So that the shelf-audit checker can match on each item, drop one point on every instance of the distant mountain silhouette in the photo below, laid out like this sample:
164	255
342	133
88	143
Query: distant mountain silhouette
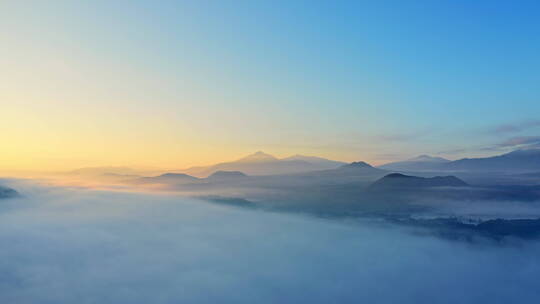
91	171
258	156
427	158
419	163
6	192
356	165
110	174
516	161
261	163
329	164
167	178
226	175
401	181
359	168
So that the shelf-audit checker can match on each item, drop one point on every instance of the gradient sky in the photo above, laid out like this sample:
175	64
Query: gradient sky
177	83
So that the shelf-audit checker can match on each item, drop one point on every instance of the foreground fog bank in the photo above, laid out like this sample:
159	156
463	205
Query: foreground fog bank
81	246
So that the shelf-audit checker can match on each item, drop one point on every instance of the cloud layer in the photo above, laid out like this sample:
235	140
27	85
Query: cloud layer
515	127
521	141
81	246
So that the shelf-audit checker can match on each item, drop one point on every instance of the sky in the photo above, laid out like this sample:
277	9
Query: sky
171	84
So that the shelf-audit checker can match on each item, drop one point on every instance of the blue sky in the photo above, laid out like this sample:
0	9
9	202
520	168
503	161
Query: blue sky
372	80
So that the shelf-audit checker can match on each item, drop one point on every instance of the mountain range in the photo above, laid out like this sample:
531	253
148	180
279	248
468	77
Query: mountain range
512	162
515	161
351	171
261	163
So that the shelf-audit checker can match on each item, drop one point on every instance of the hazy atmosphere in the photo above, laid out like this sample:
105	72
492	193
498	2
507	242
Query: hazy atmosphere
163	249
269	152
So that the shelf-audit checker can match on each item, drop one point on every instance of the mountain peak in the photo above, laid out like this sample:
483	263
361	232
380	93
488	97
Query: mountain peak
258	156
358	164
227	174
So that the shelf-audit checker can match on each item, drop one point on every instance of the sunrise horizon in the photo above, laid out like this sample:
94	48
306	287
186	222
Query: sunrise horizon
188	85
269	151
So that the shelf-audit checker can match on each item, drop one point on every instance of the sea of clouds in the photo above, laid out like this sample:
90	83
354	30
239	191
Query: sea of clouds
67	245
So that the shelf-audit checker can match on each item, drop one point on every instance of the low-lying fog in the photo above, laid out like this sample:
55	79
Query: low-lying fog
65	245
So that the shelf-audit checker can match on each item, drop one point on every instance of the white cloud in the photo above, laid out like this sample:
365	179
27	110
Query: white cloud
82	246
